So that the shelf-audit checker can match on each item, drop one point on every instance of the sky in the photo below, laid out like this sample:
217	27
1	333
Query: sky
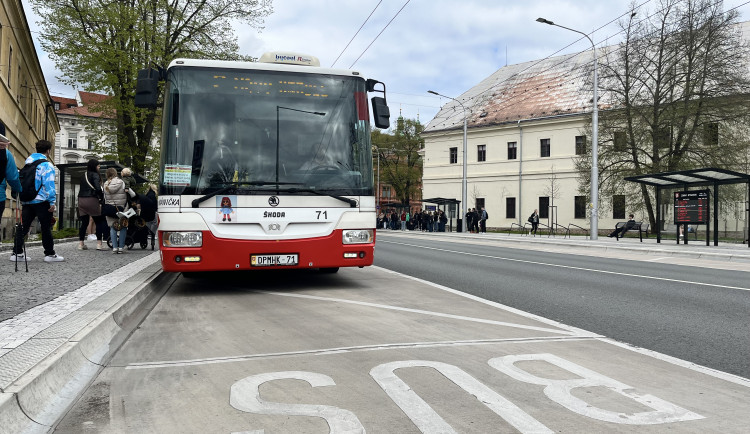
418	45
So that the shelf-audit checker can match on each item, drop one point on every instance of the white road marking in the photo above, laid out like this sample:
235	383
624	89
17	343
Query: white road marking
352	349
593	270
418	311
660	356
657	259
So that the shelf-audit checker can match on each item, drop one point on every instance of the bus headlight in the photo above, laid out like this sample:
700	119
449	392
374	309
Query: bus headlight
357	236
182	239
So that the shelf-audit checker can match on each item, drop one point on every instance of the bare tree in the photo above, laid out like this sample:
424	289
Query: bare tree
674	94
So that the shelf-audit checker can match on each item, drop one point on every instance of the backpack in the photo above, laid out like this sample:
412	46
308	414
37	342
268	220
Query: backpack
27	177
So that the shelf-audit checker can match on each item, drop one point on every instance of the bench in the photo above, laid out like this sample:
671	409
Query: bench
641	227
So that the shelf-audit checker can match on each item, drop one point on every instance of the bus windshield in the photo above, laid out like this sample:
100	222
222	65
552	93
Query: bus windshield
260	131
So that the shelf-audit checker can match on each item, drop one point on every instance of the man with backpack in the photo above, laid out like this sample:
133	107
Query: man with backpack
8	172
38	197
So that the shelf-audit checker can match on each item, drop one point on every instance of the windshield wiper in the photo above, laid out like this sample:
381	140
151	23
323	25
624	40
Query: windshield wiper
352	202
233	185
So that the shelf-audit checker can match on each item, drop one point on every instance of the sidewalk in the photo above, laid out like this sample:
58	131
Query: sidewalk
61	322
649	246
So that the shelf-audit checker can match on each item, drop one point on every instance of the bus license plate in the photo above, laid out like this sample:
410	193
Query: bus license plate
273	260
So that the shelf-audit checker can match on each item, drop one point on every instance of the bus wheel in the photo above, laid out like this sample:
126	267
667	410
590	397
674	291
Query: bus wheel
329	270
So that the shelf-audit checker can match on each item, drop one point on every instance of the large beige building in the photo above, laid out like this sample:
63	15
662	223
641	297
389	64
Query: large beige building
527	124
26	111
525	127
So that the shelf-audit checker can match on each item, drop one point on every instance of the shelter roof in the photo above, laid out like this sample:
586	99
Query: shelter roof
705	176
75	170
441	201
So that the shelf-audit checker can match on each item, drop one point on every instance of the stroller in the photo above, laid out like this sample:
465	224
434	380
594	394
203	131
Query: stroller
138	232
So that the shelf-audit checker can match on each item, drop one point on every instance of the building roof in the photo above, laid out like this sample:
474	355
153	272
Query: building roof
85	104
555	86
538	89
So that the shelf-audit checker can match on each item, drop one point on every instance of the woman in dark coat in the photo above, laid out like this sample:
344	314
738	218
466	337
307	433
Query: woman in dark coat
534	220
89	197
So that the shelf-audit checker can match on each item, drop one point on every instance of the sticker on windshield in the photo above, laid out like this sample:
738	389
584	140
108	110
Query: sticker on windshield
226	212
177	174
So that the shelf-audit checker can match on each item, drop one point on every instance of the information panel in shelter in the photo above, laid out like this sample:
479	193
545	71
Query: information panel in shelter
691	207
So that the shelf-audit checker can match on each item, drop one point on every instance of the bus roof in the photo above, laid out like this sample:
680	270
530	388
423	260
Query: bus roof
229	64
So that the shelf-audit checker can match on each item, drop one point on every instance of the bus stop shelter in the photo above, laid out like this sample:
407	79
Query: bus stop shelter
70	183
451	212
686	179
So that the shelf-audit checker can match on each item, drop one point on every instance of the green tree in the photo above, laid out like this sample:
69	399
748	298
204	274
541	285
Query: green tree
101	44
400	162
674	94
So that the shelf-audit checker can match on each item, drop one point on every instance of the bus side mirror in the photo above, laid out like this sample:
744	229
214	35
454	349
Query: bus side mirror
147	88
381	112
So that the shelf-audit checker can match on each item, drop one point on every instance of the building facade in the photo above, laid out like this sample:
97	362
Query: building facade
84	128
528	126
26	111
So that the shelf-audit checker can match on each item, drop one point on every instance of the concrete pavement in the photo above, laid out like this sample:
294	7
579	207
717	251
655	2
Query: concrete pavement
70	317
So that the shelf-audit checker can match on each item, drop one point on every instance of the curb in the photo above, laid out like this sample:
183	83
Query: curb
648	250
40	397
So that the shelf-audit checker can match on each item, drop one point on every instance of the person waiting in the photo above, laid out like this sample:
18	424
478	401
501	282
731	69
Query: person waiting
619	232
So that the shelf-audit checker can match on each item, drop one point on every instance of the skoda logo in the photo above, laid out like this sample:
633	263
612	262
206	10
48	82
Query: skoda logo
273	201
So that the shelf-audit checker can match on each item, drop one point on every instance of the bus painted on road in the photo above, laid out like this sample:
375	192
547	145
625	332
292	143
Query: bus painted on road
264	165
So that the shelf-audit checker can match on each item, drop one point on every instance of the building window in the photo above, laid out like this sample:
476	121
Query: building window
386	191
10	63
711	134
510	207
544	207
579	207
618	206
479	203
663	137
620	140
57	106
544	147
481	152
454	155
580	145
512	150
73	143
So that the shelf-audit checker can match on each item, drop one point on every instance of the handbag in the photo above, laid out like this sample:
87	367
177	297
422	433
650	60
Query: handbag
109	210
530	219
86	176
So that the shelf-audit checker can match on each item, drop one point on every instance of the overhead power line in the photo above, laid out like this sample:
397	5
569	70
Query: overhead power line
355	35
381	32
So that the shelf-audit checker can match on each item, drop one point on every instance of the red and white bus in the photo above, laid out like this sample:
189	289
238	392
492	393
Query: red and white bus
264	165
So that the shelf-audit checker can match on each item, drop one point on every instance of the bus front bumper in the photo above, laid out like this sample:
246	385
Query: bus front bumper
217	254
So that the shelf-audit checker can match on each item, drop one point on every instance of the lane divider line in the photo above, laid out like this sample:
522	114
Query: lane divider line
736	379
570	267
352	349
418	311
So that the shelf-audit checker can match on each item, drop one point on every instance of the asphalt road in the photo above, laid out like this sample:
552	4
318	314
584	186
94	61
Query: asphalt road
696	314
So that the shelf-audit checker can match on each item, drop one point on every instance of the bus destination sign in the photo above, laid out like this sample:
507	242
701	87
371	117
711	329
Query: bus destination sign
691	207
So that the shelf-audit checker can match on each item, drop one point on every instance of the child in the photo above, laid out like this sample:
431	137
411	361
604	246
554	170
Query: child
129	180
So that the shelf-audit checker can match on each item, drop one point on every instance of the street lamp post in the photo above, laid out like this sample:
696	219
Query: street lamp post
594	140
463	176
